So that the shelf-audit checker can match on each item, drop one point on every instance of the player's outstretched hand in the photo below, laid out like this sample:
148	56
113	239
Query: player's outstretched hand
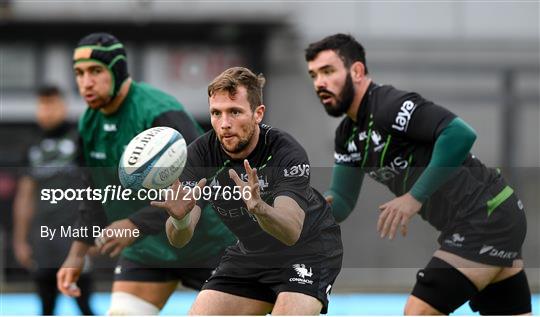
115	244
253	201
182	200
397	213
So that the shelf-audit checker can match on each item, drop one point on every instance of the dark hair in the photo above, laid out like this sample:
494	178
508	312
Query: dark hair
235	77
345	46
49	91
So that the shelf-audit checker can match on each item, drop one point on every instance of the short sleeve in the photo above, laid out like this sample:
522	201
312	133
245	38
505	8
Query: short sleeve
411	116
292	174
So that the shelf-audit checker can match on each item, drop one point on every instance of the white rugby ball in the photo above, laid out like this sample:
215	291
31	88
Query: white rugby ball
153	159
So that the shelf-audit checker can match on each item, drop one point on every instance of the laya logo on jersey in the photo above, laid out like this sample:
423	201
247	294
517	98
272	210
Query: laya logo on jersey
404	116
386	173
300	170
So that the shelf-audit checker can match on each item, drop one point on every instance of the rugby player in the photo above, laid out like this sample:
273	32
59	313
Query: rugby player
289	251
119	108
421	152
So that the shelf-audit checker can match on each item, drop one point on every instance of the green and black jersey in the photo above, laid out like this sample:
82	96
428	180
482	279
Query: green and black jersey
103	139
393	140
283	170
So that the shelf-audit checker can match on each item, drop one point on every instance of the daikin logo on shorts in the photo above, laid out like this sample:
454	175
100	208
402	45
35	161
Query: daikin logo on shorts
302	272
502	254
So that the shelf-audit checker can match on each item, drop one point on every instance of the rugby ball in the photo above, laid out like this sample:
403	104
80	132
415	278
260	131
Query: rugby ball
153	159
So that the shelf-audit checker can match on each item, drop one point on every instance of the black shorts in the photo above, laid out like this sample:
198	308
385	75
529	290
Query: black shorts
312	275
194	278
492	233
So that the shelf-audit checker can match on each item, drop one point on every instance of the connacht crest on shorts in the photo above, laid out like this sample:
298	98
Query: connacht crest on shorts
302	271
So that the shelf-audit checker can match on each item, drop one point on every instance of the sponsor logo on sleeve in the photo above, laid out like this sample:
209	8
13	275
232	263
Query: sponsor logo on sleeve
300	170
401	123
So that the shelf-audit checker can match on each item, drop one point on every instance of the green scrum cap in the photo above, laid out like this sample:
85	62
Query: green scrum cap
105	49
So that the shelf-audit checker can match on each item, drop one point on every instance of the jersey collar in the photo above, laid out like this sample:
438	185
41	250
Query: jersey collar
363	109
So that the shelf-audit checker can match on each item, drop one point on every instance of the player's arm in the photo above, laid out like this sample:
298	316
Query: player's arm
23	212
68	275
284	220
183	211
451	148
180	231
347	176
344	190
424	122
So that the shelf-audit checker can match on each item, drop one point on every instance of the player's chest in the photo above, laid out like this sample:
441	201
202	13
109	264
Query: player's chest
105	144
382	155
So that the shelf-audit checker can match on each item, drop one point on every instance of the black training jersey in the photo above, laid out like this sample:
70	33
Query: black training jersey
393	139
283	170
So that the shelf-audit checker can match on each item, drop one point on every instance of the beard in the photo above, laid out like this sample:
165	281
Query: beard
99	103
343	102
241	145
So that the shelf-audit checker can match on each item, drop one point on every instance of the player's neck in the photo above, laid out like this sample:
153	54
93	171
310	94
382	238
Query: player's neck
250	148
115	104
360	92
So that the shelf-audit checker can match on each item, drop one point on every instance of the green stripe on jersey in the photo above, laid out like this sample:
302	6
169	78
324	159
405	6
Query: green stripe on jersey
499	199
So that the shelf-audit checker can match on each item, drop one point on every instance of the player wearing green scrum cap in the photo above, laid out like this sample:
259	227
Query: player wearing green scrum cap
119	108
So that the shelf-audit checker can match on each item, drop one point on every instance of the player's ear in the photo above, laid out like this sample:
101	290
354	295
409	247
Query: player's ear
259	113
358	71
